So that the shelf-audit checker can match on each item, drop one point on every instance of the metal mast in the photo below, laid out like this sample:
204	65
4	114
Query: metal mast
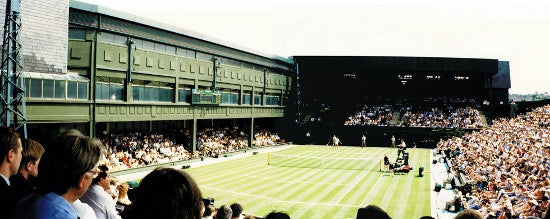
12	94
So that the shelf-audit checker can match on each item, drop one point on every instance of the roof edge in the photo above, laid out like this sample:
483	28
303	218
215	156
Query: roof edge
166	27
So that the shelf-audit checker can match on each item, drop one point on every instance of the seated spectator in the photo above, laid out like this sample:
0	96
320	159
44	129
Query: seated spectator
84	211
66	171
469	214
277	215
265	138
224	212
209	212
123	194
23	182
237	210
136	149
372	211
97	197
166	193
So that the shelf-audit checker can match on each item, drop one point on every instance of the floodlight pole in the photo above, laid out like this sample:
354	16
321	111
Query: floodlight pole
12	92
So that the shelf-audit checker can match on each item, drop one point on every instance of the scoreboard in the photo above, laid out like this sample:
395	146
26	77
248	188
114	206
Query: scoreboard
206	97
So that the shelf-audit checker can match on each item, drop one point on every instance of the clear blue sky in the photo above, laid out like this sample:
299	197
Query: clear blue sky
515	31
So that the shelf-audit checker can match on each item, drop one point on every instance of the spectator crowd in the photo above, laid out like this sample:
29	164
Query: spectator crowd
69	179
450	117
136	149
371	116
505	167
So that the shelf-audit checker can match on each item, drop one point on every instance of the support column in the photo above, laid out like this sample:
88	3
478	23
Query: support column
128	83
251	135
194	146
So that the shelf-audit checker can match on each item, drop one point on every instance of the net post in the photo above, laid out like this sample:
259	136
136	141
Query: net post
268	158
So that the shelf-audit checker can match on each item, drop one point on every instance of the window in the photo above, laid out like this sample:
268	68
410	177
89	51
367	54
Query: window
148	45
184	95
257	100
230	98
159	47
72	89
272	100
60	89
204	56
82	90
36	88
170	49
154	94
78	34
47	89
246	99
113	38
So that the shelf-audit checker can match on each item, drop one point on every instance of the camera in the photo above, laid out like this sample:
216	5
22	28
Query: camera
208	201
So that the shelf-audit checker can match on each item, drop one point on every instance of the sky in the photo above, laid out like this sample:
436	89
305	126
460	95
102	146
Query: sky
514	31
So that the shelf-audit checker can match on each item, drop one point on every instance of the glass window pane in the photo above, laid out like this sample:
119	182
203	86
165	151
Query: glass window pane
135	93
120	40
115	91
77	34
246	99
27	87
99	90
170	49
71	89
184	96
138	43
82	90
159	47
36	88
107	37
148	45
47	89
60	89
191	54
165	95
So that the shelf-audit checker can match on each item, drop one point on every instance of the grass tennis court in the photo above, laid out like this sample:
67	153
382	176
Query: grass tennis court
312	191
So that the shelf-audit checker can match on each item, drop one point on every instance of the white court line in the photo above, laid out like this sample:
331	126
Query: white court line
349	190
372	188
281	201
297	181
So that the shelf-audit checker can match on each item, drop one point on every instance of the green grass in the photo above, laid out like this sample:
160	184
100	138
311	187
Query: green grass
305	192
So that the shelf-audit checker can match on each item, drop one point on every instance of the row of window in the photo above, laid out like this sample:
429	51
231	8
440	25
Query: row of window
113	91
162	48
56	89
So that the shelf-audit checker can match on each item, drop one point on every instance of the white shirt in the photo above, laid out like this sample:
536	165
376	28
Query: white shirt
83	210
101	202
7	179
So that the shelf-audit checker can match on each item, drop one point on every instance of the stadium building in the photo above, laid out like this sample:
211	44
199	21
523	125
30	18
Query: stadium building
97	69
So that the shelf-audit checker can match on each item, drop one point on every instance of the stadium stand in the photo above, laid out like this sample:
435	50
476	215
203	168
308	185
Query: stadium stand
504	169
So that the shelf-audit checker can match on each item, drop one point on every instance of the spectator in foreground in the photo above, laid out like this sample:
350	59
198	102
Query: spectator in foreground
166	193
372	211
277	215
97	196
10	155
66	171
23	182
123	194
237	210
469	214
224	212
